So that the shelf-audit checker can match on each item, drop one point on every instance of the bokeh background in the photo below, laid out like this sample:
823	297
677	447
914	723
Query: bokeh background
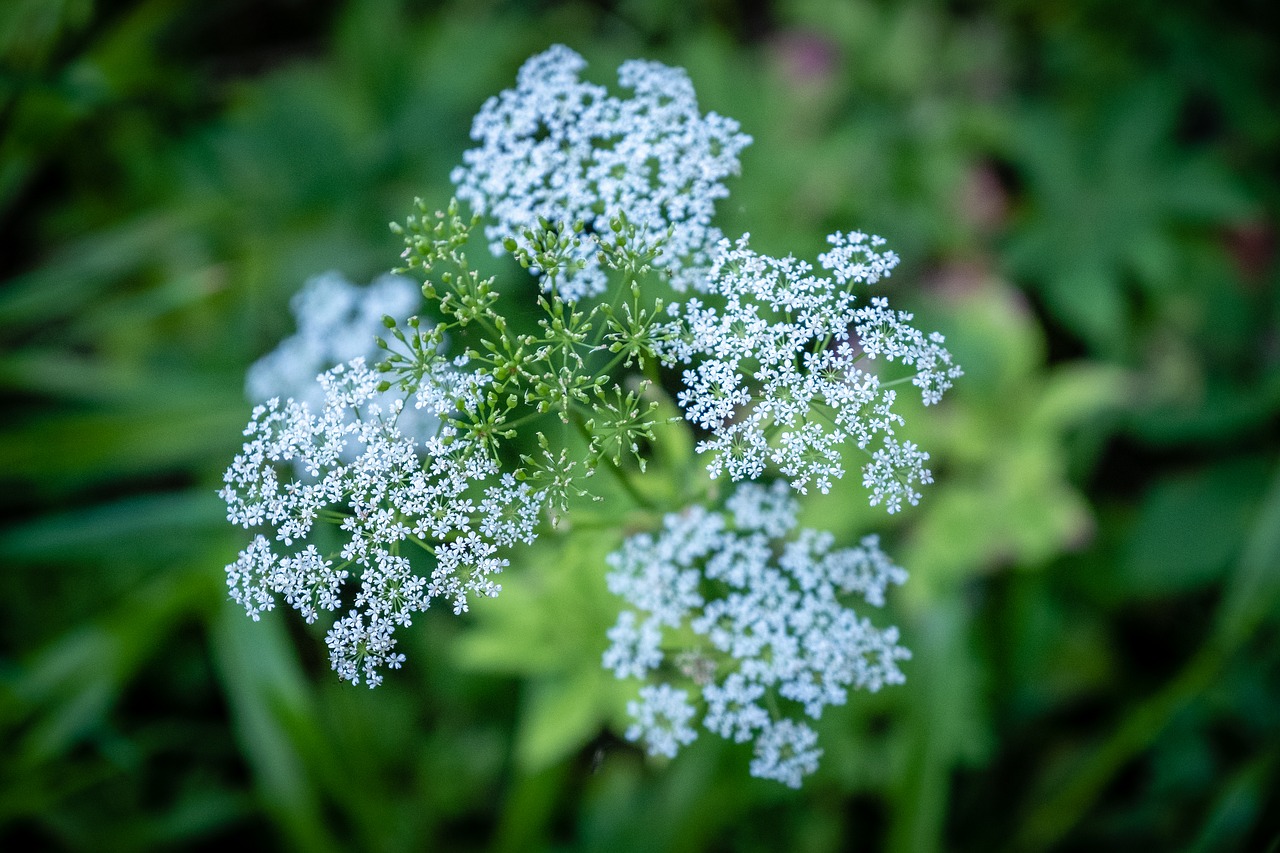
1085	194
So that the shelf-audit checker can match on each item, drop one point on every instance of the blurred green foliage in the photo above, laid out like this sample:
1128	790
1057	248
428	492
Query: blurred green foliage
1086	196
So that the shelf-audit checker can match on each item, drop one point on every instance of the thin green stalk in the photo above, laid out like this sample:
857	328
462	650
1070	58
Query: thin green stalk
619	474
1245	603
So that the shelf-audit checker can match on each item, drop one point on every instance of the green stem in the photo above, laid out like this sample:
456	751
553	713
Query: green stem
1248	598
616	360
1055	816
332	516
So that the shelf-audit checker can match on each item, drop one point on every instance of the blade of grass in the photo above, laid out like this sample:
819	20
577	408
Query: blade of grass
1249	597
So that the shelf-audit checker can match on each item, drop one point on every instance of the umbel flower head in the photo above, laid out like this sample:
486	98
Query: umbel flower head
561	149
349	464
777	636
379	477
775	374
337	321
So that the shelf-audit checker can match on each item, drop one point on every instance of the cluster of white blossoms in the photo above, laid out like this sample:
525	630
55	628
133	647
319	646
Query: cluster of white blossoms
405	472
347	462
559	148
776	636
337	321
775	376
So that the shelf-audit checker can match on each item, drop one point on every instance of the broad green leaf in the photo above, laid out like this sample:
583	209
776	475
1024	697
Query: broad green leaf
1189	528
276	723
560	714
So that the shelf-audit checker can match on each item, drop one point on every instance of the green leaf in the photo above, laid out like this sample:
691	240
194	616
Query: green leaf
146	523
71	686
549	625
1189	528
273	711
560	714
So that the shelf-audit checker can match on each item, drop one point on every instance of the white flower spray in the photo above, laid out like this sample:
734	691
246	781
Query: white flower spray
774	619
407	472
564	150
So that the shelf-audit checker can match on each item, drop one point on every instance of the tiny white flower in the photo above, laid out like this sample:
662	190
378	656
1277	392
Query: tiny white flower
662	717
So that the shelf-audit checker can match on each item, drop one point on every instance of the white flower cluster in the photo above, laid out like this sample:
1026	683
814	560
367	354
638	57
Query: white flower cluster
401	476
775	376
567	150
337	321
770	611
385	490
